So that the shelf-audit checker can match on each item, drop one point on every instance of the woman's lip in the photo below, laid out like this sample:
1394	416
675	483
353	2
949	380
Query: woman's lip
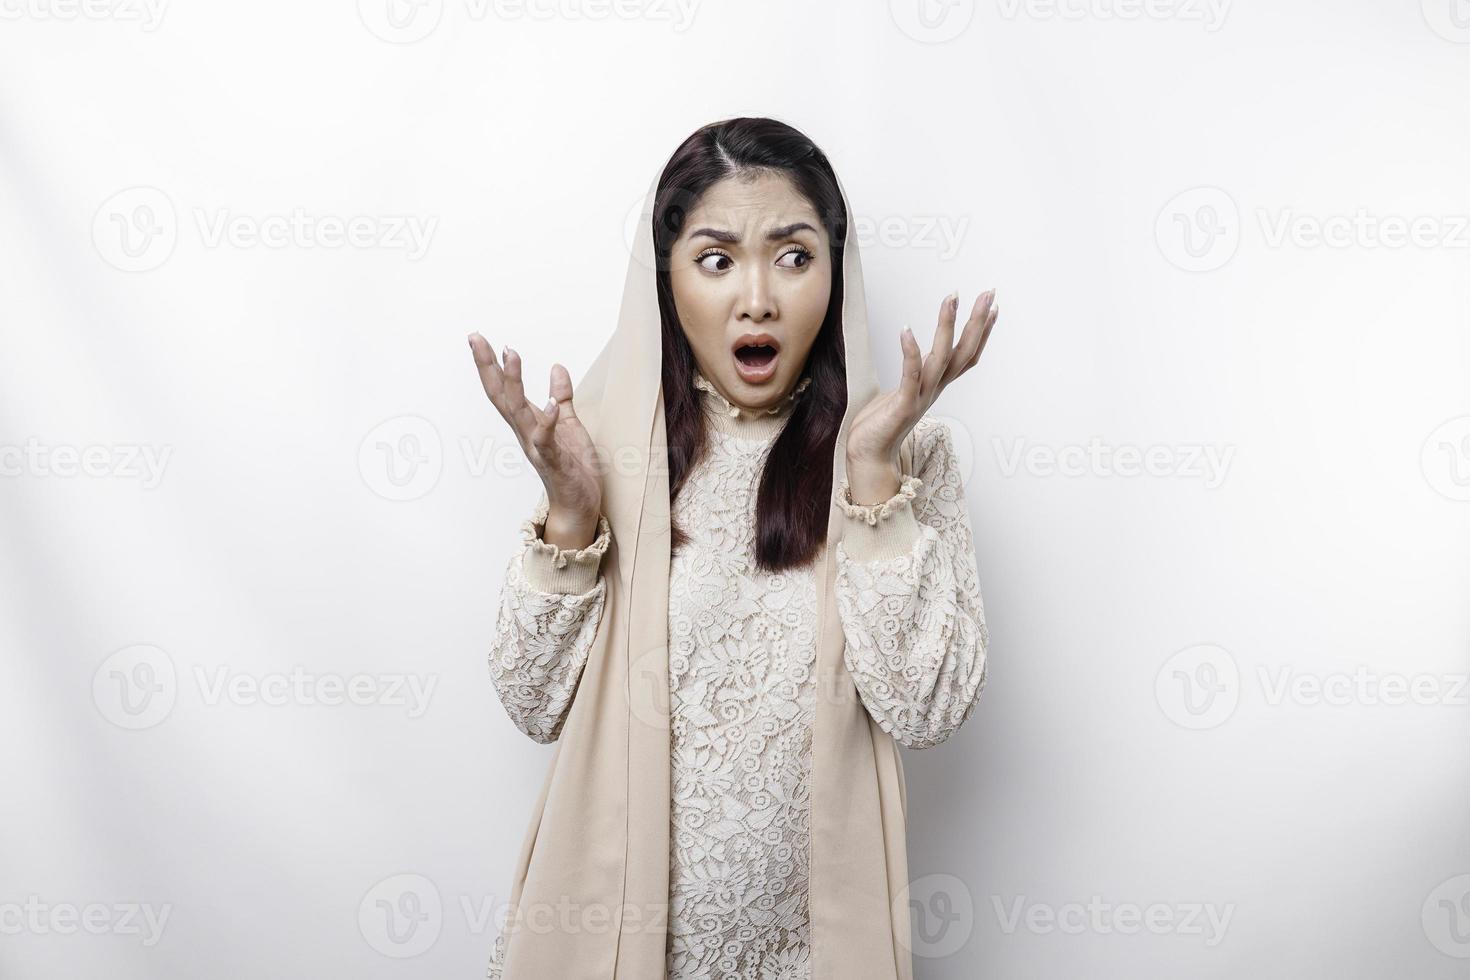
757	340
754	375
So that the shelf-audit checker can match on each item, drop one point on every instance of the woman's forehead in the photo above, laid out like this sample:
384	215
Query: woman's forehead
751	208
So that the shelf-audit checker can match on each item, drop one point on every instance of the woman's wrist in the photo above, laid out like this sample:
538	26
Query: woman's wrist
569	530
560	557
872	481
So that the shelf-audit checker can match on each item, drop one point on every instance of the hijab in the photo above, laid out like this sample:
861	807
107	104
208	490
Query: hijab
590	895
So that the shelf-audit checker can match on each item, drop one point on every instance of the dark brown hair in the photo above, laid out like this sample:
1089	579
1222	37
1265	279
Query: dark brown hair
796	482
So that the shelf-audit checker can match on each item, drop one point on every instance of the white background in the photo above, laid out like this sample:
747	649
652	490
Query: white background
326	496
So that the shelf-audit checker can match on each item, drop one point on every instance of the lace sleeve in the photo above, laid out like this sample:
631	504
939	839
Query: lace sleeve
550	606
908	592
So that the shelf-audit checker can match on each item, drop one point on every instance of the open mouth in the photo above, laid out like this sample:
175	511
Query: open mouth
755	356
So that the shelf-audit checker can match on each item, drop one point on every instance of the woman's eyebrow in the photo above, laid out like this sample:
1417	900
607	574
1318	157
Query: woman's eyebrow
720	235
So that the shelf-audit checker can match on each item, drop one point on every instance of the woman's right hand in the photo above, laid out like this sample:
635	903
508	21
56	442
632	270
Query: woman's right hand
554	442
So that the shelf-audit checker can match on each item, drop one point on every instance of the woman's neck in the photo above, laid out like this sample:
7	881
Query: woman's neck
746	423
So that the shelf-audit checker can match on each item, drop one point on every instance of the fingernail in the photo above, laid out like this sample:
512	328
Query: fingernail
506	351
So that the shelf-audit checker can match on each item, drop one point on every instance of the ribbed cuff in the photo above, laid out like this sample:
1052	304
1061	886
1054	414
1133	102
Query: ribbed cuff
884	530
550	568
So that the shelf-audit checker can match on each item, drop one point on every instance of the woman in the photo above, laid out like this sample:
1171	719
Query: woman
724	692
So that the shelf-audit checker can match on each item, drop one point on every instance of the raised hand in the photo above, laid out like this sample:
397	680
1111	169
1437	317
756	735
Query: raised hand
878	430
553	440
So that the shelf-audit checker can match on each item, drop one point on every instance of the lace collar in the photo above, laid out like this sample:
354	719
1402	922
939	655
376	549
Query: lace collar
725	408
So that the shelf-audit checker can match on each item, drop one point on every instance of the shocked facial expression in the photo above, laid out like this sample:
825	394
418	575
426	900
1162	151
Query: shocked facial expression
751	275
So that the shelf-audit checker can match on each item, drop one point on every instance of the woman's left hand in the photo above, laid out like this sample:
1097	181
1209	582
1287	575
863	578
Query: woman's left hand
878	430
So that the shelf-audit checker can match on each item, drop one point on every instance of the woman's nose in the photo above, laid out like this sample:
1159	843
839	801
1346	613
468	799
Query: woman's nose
757	303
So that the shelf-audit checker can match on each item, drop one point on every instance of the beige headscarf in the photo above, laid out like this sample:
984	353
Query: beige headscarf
590	897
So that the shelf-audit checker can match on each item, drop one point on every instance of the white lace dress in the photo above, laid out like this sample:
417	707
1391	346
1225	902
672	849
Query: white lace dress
742	650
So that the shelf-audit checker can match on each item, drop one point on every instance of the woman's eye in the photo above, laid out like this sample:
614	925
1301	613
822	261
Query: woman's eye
704	261
801	253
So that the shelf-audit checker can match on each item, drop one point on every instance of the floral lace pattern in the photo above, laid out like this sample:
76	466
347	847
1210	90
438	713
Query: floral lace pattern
915	623
542	640
742	655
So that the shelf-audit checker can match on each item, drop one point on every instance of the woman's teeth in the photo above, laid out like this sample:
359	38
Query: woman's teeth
756	363
756	356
